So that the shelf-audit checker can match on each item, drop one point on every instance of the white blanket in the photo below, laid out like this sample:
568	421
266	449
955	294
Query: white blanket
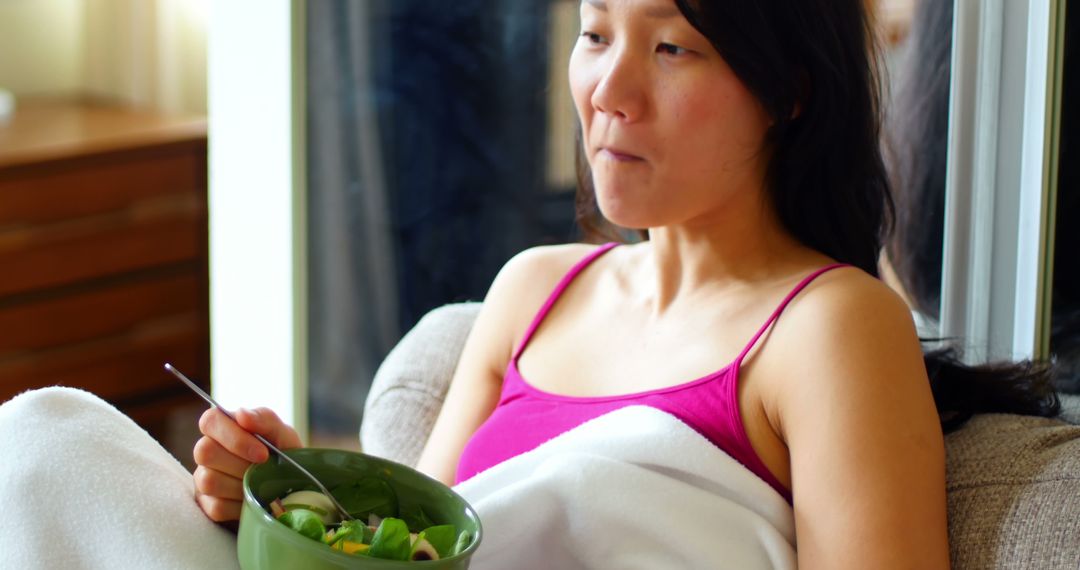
635	488
84	487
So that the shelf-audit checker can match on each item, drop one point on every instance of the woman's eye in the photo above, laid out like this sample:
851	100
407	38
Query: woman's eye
671	49
594	38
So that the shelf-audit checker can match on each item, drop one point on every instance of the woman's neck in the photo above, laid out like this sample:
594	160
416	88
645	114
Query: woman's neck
742	251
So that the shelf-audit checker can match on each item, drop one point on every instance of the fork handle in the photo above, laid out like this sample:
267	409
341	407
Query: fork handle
341	510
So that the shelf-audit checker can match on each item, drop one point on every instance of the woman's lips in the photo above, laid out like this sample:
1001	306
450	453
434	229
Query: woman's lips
620	156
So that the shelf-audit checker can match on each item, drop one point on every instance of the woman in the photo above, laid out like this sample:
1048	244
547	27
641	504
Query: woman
743	138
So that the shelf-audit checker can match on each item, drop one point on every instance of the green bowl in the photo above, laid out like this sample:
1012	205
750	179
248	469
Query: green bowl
265	544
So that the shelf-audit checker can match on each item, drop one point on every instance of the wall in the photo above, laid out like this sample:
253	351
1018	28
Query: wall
147	53
40	46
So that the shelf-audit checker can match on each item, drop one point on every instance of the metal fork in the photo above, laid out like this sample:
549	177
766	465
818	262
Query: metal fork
202	394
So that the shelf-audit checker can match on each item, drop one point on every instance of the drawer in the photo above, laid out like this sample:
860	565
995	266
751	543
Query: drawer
164	232
90	186
121	368
103	249
98	313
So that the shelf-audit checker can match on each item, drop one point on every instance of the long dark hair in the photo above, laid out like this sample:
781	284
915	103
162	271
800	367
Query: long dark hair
813	66
918	143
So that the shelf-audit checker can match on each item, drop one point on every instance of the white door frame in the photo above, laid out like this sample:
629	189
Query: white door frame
257	206
1003	119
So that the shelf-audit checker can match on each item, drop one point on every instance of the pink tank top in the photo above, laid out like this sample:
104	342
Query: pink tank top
526	416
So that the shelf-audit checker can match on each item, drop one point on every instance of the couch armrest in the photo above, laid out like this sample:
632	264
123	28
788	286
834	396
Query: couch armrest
1014	493
410	385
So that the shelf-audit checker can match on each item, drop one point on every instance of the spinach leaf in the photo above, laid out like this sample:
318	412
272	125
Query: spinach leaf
304	522
367	495
391	540
354	531
416	518
441	538
366	534
462	543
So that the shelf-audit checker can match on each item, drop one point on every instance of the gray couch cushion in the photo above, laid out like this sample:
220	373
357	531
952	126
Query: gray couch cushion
1014	493
411	383
1070	408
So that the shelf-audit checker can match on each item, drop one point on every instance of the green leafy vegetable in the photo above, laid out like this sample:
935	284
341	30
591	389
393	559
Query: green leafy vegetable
442	538
304	522
355	531
391	540
462	543
366	496
366	534
371	500
338	536
415	517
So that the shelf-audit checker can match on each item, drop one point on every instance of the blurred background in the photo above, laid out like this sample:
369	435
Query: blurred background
436	141
103	217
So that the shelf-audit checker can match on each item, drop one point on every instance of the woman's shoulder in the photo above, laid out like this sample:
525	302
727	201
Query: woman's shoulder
846	295
537	270
552	261
526	280
847	318
839	314
847	343
524	284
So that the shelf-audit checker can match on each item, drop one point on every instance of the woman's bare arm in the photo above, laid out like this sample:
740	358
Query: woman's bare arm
867	452
514	297
473	393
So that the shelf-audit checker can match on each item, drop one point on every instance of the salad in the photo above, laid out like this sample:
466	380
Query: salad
382	529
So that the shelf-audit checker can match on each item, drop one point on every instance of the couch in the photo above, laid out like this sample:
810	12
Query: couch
1013	481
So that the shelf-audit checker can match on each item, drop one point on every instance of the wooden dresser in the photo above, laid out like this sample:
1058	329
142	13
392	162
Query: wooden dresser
103	254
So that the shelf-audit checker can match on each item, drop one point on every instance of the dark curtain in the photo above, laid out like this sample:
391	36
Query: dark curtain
426	171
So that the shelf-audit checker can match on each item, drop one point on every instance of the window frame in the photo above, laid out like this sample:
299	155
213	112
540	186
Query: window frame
257	206
1001	180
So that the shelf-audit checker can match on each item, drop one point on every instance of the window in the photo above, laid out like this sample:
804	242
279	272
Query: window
440	142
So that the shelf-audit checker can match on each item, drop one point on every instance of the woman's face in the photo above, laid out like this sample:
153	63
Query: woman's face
670	132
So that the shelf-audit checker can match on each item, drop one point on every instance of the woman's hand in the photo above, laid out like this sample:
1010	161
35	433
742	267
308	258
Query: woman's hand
226	450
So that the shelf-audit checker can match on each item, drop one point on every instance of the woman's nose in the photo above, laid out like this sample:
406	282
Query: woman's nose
619	91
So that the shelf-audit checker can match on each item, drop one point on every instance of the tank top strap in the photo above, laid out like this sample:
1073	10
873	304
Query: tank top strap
563	284
783	304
